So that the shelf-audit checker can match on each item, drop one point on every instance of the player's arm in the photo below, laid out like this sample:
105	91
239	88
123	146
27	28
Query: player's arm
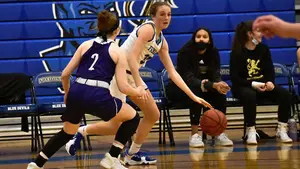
145	33
167	62
298	56
271	25
120	59
69	69
291	30
175	77
294	29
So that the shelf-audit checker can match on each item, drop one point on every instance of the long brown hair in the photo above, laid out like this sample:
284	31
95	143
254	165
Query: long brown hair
241	36
107	23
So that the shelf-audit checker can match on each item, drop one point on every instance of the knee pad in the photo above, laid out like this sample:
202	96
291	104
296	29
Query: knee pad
56	142
63	136
127	129
135	120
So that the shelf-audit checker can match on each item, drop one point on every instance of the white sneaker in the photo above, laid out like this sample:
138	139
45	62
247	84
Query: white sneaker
223	140
32	165
251	135
111	162
139	158
196	141
282	133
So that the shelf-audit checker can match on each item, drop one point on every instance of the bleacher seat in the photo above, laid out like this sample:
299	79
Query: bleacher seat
24	110
295	72
27	11
215	22
295	75
235	19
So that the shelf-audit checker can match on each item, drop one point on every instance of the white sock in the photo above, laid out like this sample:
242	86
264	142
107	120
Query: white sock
44	155
82	130
118	144
134	148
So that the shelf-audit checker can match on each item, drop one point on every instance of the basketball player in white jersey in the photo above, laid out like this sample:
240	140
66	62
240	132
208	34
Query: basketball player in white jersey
141	45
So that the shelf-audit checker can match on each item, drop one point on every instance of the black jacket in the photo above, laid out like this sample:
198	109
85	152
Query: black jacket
251	65
194	67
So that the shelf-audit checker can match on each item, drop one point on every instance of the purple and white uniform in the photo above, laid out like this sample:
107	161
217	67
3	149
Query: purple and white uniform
90	91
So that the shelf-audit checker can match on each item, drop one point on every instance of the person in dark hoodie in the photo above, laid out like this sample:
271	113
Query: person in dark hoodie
252	75
198	62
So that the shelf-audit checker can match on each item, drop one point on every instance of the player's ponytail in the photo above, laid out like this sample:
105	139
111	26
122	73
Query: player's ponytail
241	36
107	23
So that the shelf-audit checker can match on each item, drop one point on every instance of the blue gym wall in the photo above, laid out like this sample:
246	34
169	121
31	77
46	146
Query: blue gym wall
42	36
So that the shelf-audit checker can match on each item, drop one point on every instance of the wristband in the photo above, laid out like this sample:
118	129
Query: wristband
254	83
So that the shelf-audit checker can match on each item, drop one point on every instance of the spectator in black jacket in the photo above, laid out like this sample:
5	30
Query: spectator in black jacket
252	75
198	63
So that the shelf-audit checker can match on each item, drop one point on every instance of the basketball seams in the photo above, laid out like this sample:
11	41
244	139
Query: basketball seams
210	118
217	114
220	124
223	121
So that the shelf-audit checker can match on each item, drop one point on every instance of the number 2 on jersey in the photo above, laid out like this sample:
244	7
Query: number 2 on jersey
95	56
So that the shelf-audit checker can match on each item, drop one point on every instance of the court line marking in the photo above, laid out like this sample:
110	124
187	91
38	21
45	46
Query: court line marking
154	153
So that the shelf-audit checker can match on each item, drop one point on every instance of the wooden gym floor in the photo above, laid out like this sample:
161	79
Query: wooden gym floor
267	154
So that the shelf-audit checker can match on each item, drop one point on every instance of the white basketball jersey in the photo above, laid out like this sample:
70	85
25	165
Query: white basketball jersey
151	47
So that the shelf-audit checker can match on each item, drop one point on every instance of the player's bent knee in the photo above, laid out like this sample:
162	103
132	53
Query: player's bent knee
128	110
132	124
153	117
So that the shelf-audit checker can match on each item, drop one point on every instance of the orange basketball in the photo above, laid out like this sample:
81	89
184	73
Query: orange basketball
213	122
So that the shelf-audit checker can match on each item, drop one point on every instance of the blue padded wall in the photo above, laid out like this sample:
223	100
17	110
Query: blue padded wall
37	36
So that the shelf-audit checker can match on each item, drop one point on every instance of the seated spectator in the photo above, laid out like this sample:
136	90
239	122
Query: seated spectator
252	75
198	62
